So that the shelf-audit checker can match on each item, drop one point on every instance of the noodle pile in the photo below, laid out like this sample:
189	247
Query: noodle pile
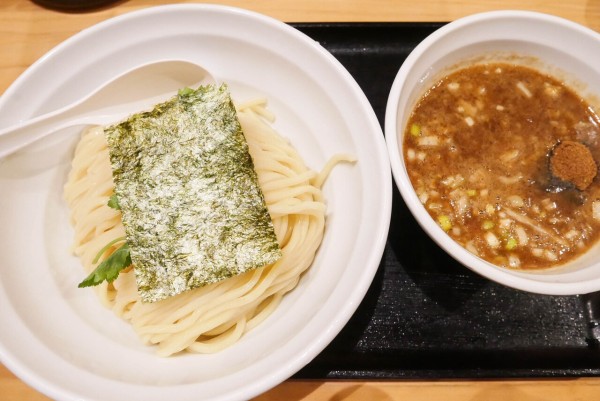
210	318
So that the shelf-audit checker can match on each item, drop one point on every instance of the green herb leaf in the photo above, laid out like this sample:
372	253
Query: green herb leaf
114	202
185	91
106	248
110	268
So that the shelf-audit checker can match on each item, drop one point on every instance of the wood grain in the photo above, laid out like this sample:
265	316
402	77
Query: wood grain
578	389
27	31
12	388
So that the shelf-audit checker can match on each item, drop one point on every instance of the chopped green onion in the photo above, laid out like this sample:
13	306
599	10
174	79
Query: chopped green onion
487	225
511	243
444	222
415	130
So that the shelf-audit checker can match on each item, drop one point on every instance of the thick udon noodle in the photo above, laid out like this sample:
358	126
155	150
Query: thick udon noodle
213	317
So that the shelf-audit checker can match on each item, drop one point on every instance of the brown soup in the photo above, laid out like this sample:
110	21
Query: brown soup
478	150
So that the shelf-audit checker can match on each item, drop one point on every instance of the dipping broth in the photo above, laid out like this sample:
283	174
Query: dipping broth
478	149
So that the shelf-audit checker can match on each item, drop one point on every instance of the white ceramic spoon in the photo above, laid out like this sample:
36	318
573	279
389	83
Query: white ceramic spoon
135	90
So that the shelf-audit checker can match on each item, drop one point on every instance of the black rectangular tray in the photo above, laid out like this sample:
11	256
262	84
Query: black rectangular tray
425	316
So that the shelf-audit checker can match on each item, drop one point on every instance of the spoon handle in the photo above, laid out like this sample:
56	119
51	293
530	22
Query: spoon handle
17	137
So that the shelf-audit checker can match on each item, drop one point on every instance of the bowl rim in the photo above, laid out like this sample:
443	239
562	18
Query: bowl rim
520	280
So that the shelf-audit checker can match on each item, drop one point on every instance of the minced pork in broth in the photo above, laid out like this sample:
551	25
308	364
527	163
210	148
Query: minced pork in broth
478	150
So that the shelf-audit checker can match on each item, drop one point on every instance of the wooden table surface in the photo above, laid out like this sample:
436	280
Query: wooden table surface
27	31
